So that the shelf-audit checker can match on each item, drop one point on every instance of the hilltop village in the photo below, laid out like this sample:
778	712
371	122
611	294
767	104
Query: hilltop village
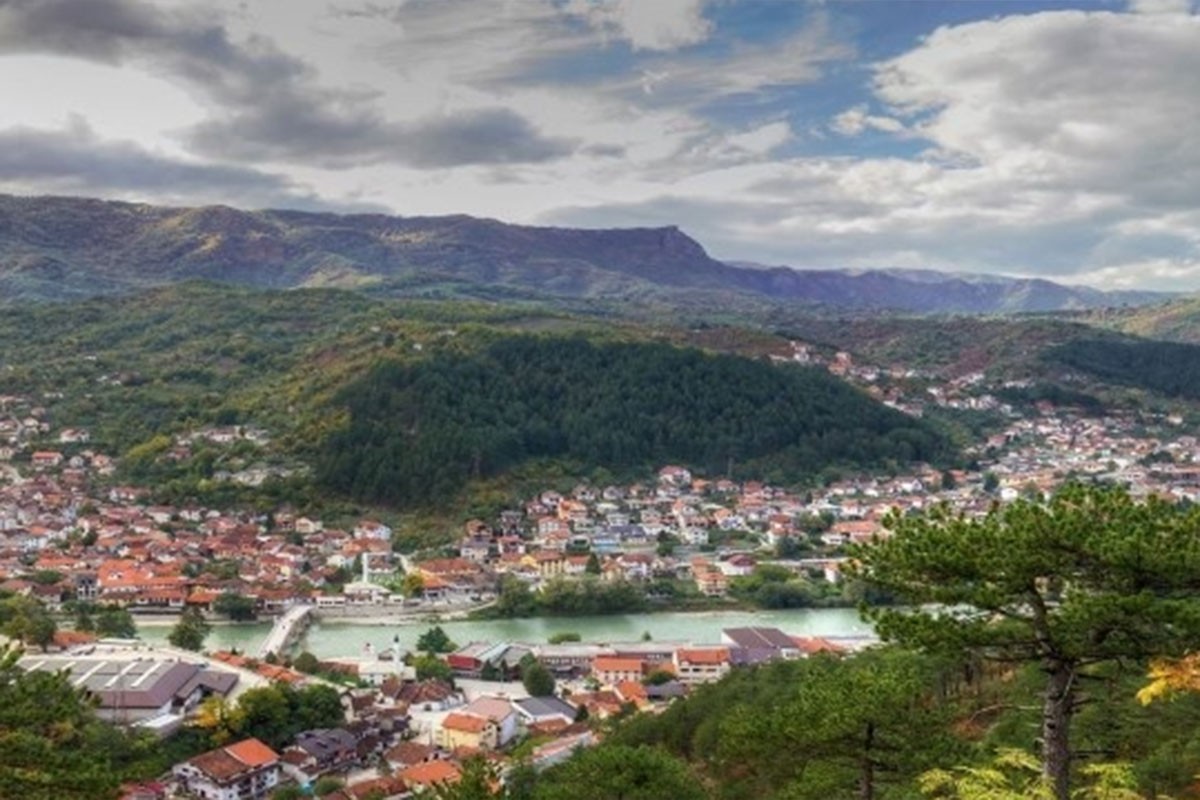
73	534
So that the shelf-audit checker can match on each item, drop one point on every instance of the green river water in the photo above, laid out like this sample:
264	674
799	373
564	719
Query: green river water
347	638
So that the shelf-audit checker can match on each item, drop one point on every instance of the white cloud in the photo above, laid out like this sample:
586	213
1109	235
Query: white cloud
797	59
763	139
854	121
655	25
1161	6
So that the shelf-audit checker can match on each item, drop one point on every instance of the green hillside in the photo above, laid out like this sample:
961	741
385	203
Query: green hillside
1177	320
139	371
418	432
1168	368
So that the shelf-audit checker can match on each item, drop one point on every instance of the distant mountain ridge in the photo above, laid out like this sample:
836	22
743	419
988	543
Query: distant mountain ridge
56	248
932	291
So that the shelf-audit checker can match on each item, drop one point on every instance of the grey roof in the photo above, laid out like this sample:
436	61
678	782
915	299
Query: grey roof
323	743
513	655
539	707
749	656
666	691
757	638
221	683
134	684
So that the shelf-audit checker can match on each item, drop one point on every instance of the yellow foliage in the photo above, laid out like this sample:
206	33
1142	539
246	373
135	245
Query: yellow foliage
1168	676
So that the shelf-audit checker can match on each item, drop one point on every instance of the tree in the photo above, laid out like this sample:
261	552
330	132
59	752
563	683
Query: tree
238	608
852	724
54	747
620	771
27	621
948	480
112	621
537	680
84	619
658	677
593	564
191	630
515	599
1087	577
1014	775
326	785
413	585
46	577
429	666
479	780
307	663
316	706
435	640
564	636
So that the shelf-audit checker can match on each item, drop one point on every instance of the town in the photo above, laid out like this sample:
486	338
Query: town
76	543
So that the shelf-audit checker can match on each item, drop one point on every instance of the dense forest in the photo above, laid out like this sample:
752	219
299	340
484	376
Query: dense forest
1169	368
419	432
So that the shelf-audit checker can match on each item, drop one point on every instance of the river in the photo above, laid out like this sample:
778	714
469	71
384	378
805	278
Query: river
343	639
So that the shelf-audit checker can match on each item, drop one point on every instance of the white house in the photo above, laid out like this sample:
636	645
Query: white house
248	770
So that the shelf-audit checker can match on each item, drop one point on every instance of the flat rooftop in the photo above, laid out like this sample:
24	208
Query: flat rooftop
141	683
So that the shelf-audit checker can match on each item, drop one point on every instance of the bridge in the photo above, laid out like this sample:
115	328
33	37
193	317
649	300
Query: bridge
287	629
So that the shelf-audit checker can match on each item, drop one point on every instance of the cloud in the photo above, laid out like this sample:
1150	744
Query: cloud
189	45
856	120
657	25
1086	101
74	160
370	11
763	139
1161	6
1063	144
268	105
739	68
284	130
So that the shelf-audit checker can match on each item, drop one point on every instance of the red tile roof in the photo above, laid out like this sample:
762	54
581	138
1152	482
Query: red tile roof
252	752
430	772
464	722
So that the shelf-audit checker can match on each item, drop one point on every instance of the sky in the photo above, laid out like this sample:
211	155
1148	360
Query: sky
1051	139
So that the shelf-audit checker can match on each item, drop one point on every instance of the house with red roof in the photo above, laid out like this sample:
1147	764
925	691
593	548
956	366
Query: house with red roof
247	770
429	774
701	664
611	670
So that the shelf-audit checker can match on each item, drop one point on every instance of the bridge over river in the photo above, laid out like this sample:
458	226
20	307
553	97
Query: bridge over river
286	630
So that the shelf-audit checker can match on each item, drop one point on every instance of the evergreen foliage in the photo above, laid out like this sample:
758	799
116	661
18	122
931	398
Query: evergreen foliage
1088	578
190	632
435	640
1170	368
238	608
419	432
816	728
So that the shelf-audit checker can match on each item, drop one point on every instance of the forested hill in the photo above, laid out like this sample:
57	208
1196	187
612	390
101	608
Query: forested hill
418	432
1168	368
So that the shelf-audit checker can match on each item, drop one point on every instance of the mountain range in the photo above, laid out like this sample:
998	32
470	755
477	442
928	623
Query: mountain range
58	248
